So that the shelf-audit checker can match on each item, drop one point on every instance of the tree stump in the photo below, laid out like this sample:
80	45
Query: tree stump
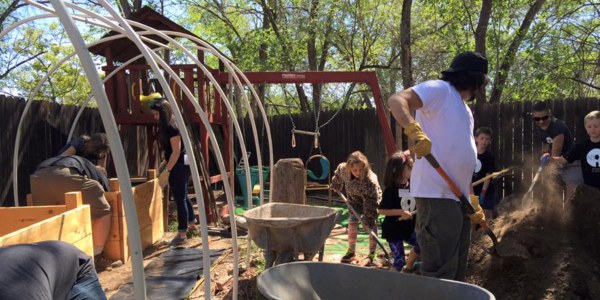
289	181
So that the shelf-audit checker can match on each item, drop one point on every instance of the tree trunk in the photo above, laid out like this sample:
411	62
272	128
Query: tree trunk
405	54
480	35
312	51
289	181
509	57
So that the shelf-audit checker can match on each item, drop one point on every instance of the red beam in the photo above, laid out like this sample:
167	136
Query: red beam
369	78
303	77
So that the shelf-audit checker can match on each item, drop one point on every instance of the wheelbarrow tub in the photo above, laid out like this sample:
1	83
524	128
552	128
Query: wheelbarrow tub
290	227
319	280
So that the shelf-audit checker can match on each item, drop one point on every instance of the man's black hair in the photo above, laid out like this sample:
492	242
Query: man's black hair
464	81
540	106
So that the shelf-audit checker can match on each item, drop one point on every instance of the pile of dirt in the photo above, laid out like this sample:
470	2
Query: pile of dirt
549	248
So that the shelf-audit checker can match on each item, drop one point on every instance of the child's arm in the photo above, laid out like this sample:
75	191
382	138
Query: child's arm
390	212
337	181
402	214
561	161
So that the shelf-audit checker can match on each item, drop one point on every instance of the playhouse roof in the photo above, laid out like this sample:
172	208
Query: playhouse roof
123	49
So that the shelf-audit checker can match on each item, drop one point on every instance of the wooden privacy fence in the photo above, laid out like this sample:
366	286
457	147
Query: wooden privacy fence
349	131
514	143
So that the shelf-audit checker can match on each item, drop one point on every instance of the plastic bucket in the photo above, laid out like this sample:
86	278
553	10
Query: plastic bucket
240	173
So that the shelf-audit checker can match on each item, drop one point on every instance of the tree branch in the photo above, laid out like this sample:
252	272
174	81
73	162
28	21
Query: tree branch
583	82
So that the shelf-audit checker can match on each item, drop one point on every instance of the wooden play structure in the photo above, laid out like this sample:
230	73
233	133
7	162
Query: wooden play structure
69	223
135	80
148	197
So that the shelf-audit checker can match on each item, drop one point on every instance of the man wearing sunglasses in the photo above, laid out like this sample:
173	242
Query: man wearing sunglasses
557	140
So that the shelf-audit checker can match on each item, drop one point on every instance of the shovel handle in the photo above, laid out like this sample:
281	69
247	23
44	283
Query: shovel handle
469	207
434	163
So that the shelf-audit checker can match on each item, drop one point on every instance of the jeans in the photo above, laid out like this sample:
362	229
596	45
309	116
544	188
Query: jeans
179	182
87	288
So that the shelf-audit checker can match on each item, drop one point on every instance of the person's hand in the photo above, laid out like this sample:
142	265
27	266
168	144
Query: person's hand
163	178
405	216
478	216
422	146
545	159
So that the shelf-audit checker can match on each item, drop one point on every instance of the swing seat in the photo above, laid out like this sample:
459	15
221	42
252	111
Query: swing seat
324	168
316	184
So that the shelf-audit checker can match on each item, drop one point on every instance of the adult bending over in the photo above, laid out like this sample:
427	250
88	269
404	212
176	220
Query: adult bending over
51	270
62	174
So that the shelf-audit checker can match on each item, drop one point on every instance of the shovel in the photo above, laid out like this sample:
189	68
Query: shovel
536	178
366	227
467	204
490	176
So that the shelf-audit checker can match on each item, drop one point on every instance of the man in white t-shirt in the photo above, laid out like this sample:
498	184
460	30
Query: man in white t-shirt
443	127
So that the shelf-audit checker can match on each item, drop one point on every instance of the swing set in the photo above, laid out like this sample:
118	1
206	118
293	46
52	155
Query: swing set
322	180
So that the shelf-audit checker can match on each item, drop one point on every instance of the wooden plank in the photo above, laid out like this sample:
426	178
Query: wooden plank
15	218
113	250
149	209
151	174
73	200
71	226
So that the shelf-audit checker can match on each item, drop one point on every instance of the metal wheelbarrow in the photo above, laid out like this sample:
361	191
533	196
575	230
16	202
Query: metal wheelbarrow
320	280
285	230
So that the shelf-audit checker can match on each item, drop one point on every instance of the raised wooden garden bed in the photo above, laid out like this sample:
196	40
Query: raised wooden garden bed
148	199
69	223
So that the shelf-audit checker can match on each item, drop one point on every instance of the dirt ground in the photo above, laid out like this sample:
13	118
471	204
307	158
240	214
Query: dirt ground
548	252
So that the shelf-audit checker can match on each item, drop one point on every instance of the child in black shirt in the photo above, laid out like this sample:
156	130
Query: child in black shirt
588	151
485	165
399	209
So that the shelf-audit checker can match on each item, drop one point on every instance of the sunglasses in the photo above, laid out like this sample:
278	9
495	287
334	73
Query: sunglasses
538	119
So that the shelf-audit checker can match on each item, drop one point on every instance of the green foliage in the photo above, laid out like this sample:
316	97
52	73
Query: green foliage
558	58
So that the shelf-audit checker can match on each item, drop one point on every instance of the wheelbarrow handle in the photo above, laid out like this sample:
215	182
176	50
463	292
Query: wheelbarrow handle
468	206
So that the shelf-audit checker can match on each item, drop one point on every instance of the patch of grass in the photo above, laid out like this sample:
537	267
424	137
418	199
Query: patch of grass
259	263
172	226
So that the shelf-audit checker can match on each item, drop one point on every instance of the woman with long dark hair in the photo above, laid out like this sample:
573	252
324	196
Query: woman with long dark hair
176	172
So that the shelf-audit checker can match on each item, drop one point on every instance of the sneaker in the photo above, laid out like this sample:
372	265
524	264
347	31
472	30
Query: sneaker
369	260
178	240
371	257
414	269
348	257
407	270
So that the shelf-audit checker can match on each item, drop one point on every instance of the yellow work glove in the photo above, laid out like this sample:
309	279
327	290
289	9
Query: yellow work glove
478	215
163	178
422	146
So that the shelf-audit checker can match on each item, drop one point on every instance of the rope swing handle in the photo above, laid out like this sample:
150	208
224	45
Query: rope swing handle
314	134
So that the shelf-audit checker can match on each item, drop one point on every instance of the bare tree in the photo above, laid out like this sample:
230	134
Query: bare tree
480	35
130	8
405	53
